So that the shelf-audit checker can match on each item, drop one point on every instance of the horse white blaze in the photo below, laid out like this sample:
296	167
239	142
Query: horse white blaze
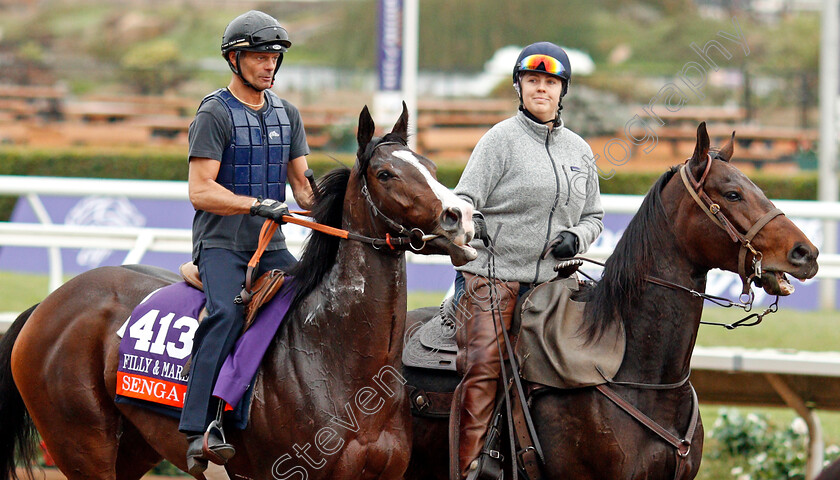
446	197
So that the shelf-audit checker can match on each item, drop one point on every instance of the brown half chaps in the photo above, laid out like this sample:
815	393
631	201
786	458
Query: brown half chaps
478	360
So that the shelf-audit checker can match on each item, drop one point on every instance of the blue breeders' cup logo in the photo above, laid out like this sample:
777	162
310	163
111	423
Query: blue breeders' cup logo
102	212
273	134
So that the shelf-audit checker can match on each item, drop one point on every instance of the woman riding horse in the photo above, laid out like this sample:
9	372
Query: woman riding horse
643	422
560	215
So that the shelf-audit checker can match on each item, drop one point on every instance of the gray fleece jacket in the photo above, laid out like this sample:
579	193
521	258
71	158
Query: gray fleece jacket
531	185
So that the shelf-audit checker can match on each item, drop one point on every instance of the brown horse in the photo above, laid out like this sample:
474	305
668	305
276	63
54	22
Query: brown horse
328	400
831	472
583	434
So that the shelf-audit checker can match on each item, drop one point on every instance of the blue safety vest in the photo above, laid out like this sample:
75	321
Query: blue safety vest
255	161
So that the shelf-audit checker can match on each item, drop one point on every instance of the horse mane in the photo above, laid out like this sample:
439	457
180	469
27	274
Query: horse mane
625	270
321	250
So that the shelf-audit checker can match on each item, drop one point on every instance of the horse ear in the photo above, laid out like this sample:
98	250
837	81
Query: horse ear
726	151
401	127
701	151
366	128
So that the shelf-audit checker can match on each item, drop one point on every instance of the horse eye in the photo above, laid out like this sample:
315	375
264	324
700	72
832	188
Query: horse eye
732	196
384	175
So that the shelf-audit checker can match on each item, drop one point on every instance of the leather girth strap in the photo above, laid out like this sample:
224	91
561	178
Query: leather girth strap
682	446
262	291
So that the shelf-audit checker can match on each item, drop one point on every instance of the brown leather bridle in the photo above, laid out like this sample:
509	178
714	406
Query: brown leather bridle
712	209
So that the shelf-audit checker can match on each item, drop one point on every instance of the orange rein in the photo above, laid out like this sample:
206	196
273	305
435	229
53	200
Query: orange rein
267	232
269	227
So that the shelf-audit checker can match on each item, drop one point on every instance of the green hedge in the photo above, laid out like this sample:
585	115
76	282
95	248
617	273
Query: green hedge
171	164
802	186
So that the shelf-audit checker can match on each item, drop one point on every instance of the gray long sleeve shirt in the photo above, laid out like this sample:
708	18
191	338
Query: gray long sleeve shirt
531	185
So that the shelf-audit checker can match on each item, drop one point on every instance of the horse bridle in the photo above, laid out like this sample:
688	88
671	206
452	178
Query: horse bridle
405	236
713	210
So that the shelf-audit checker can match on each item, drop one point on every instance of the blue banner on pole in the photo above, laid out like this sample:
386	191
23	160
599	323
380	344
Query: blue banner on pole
389	44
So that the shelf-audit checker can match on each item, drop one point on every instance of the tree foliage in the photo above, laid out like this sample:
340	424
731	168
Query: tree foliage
154	67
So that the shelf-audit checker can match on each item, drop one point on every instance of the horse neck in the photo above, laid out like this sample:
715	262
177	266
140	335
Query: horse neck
362	301
663	324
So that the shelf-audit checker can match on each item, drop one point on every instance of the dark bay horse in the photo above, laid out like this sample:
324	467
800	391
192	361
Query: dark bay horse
831	472
328	401
583	434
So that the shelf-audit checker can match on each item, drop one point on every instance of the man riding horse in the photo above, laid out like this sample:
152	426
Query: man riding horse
535	184
245	142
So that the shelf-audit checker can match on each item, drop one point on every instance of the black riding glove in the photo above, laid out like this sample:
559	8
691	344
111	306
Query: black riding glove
271	209
480	226
566	245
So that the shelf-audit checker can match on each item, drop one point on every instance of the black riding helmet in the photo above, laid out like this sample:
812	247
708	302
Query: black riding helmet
544	57
254	31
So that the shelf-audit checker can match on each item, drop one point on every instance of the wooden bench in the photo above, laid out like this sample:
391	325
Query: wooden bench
755	145
431	120
17	108
99	111
466	106
318	129
167	128
451	128
693	115
103	135
449	141
32	92
25	102
168	105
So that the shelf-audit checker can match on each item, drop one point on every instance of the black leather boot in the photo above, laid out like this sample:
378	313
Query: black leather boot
196	463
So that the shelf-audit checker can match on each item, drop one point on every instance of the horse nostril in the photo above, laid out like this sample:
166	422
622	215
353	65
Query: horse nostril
799	254
450	218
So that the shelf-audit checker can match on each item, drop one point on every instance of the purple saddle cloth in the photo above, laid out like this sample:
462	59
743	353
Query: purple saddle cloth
157	340
240	367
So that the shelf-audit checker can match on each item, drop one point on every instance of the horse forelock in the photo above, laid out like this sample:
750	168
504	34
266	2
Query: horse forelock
365	154
625	270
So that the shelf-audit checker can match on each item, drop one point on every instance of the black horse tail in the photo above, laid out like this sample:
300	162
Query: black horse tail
17	432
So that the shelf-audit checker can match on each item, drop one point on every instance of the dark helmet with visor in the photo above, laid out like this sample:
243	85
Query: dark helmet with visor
254	31
544	57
